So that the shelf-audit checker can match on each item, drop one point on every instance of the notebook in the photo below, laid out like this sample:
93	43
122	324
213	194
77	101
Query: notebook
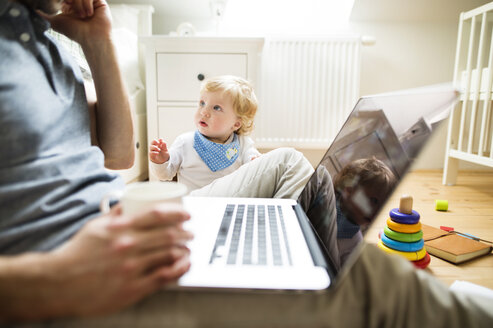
452	246
305	244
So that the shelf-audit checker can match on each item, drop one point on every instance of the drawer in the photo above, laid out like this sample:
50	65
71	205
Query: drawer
173	121
178	73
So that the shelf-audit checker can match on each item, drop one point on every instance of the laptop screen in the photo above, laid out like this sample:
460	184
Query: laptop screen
369	156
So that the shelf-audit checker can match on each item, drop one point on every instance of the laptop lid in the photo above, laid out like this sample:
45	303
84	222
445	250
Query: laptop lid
368	158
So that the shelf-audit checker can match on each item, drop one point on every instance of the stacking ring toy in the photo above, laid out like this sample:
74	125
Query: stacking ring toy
403	247
423	263
399	217
405	228
411	256
404	237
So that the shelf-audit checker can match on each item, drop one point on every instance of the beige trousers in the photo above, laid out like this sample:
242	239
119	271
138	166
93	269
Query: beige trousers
281	173
379	290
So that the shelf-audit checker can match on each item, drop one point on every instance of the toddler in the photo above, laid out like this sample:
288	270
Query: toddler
219	146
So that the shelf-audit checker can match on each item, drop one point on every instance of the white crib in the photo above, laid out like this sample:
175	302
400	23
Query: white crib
470	136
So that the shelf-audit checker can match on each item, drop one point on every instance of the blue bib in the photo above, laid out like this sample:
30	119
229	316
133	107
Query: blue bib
216	156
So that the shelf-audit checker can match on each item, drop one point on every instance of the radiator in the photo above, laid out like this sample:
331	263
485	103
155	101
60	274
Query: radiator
307	89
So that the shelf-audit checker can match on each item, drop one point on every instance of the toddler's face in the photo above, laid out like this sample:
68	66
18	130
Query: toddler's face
215	117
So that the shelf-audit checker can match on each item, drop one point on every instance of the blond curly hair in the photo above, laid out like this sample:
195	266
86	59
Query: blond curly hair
242	95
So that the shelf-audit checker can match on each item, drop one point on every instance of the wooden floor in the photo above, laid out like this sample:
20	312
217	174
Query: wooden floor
470	211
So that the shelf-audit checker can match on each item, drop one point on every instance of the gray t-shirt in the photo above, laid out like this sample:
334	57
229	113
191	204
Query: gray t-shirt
51	178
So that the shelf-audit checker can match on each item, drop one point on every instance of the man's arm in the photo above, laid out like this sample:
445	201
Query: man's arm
111	112
110	115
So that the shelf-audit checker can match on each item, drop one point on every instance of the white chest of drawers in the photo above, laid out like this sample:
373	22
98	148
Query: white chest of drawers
175	68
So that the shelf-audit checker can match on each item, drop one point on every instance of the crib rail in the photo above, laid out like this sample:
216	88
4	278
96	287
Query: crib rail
470	136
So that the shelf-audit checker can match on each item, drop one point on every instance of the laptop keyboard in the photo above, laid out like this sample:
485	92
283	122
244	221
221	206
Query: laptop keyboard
252	235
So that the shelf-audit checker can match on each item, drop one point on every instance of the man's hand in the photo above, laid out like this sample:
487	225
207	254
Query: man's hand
112	262
83	21
158	151
116	260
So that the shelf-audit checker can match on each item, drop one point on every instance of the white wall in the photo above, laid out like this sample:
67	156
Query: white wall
414	47
407	55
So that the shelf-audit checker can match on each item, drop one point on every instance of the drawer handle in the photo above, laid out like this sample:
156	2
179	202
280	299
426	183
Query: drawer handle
200	77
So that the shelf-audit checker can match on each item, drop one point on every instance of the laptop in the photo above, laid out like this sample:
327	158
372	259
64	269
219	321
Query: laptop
305	244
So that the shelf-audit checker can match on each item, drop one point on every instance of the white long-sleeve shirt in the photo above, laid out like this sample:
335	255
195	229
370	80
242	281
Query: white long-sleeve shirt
192	171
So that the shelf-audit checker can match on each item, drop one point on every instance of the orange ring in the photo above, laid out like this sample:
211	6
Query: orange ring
405	228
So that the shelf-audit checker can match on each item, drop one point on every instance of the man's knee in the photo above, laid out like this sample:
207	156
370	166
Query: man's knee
286	155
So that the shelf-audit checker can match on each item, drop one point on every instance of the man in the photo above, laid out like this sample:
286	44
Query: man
67	260
54	147
51	178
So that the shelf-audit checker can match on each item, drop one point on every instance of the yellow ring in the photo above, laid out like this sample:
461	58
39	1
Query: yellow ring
411	256
405	228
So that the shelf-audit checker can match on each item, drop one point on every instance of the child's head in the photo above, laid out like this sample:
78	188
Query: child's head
364	185
241	95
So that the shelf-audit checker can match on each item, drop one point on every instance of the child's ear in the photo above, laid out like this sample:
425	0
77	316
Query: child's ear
237	125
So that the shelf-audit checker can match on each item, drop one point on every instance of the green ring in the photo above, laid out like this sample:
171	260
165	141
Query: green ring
404	237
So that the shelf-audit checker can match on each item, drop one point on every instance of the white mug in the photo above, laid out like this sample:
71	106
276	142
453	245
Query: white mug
139	196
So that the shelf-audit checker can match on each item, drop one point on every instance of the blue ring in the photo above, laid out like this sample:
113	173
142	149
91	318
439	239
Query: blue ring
403	247
399	217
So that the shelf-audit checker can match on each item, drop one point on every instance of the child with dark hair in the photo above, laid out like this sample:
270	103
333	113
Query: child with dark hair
360	187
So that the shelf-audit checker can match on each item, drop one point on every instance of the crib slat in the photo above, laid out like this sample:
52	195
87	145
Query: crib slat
467	91
487	102
457	50
477	85
491	148
451	165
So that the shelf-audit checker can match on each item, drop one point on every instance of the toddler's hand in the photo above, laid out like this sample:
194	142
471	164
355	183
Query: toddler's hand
158	151
253	157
